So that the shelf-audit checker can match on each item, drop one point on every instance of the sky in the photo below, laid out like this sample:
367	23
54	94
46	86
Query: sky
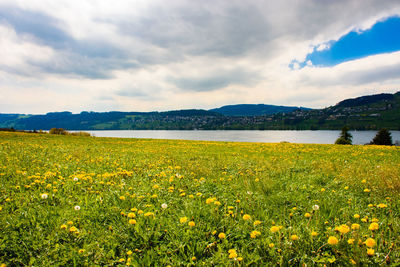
157	55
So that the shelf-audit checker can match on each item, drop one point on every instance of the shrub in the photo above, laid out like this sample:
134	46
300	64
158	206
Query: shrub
383	137
58	131
345	137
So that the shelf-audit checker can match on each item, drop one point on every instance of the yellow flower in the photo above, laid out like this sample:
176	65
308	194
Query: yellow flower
355	226
239	258
307	215
373	226
370	242
274	229
81	251
353	262
73	229
344	229
63	227
257	222
194	258
131	215
271	245
254	234
70	223
122	197
191	223
370	252
366	190
129	252
382	205
322	189
232	253
148	214
313	233
333	240
209	200
217	203
121	260
183	219
294	237
221	235
132	221
246	217
375	220
351	241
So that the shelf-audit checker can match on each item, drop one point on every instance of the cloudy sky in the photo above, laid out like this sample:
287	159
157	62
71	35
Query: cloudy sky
146	55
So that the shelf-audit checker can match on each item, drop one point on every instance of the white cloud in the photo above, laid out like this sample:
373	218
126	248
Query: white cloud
157	55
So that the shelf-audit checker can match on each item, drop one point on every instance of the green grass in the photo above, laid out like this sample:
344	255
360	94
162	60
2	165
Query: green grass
114	179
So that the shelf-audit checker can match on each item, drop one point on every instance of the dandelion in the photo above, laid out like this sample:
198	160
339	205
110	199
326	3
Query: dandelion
44	195
370	252
122	197
194	258
315	207
356	216
366	190
246	217
355	226
351	241
257	222
209	200
164	205
183	219
353	262
148	214
294	237
344	229
381	205
132	221
191	223
131	215
81	251
76	179
221	236
307	215
274	229
70	222
254	234
232	253
77	208
73	229
271	245
373	226
333	240
313	233
370	242
129	252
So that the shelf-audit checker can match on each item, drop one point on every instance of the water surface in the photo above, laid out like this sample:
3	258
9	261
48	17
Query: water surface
268	136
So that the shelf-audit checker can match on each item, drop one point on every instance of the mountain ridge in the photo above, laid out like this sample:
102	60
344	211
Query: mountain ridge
362	113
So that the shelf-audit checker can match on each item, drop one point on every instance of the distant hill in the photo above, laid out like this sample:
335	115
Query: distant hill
366	100
254	109
362	113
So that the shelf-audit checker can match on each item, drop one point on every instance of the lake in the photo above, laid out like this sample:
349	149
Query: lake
311	137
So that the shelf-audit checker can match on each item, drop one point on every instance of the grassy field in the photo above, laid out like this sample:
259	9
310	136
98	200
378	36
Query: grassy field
80	201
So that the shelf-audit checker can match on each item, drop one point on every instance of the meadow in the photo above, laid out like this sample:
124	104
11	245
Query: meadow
84	201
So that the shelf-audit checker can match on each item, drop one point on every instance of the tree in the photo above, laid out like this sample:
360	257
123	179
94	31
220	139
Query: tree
383	137
345	137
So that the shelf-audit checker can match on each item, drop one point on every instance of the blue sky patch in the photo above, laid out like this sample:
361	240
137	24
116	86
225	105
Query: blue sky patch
383	37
